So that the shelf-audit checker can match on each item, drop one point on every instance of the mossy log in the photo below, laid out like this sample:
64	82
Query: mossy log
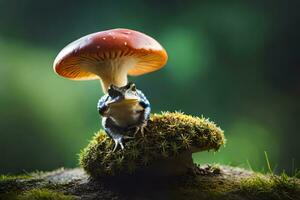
206	182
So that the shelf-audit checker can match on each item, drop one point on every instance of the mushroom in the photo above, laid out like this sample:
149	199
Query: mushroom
109	56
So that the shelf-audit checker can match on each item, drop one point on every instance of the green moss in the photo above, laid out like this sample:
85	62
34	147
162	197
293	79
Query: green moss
272	186
9	196
167	136
43	194
237	183
37	194
4	178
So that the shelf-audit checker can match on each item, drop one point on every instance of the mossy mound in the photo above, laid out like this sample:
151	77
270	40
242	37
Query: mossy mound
168	136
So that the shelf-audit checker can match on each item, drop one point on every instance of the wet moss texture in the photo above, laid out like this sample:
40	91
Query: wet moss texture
168	136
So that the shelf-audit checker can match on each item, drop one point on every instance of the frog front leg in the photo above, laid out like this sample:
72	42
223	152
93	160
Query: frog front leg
144	117
113	131
102	106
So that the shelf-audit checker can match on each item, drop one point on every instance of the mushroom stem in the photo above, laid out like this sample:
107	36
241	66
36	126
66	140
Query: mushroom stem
171	166
114	72
106	82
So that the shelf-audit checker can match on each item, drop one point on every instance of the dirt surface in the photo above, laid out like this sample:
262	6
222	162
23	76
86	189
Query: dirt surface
204	182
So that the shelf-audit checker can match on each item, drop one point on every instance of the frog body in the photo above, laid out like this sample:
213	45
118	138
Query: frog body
123	109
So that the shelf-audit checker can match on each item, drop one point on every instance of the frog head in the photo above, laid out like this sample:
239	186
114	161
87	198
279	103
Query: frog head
122	95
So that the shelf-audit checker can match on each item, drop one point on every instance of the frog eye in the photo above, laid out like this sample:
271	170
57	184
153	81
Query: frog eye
112	92
133	87
128	86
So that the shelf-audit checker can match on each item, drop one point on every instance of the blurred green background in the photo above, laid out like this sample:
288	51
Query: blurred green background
235	62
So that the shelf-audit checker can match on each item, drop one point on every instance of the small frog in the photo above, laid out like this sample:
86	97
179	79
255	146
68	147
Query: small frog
123	109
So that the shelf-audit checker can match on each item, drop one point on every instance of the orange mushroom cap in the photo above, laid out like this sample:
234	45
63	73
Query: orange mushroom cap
110	55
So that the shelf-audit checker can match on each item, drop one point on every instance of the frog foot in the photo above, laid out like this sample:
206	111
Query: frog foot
141	128
118	141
